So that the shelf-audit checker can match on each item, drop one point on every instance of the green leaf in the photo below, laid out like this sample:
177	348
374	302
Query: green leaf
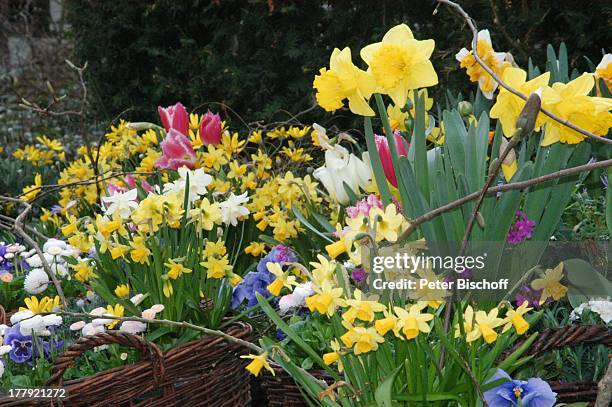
300	216
513	357
383	392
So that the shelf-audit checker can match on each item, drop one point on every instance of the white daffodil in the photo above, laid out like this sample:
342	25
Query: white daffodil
121	203
232	208
342	167
198	181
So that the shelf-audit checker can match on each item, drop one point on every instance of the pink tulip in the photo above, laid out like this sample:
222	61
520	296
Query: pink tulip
177	152
385	154
210	128
175	117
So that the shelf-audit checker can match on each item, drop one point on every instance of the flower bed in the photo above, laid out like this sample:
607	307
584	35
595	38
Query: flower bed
421	263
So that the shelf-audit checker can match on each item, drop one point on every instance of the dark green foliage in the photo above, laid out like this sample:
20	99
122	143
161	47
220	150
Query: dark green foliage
261	61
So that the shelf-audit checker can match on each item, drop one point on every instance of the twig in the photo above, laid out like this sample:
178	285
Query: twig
50	188
415	223
18	228
11	221
181	324
472	24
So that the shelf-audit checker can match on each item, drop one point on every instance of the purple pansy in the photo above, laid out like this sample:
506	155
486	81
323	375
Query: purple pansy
534	392
257	281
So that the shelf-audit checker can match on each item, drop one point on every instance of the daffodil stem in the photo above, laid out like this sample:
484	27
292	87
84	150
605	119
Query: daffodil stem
181	324
472	25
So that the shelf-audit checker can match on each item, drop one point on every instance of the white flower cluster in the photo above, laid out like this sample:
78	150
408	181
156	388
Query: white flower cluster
55	252
34	324
296	299
600	306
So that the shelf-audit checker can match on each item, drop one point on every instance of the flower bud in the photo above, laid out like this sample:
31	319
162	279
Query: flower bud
527	119
465	108
210	128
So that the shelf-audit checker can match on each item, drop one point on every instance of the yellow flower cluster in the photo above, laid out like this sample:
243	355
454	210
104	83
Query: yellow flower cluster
47	152
396	65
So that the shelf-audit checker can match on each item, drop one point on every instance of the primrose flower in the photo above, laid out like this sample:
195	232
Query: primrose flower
121	203
522	228
174	117
494	60
534	392
361	339
258	362
177	152
550	284
361	309
326	299
485	326
210	128
281	280
384	152
410	322
400	63
515	317
508	106
342	81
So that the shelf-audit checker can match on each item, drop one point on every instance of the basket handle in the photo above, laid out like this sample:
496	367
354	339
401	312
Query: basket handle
86	343
572	335
2	315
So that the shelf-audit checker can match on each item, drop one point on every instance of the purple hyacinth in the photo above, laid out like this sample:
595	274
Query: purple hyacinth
279	254
534	392
522	228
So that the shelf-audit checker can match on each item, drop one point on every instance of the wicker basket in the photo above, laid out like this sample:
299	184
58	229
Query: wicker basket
207	372
281	390
556	338
2	315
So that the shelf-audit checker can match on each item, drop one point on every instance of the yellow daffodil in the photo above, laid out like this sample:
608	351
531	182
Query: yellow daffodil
118	250
334	356
258	362
411	322
255	249
167	289
361	339
550	284
386	324
571	102
326	299
324	270
361	309
508	106
494	60
342	81
117	311
255	137
468	322
46	304
83	271
206	214
122	291
217	267
388	222
139	253
175	269
71	227
281	280
514	317
30	192
485	326
400	63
